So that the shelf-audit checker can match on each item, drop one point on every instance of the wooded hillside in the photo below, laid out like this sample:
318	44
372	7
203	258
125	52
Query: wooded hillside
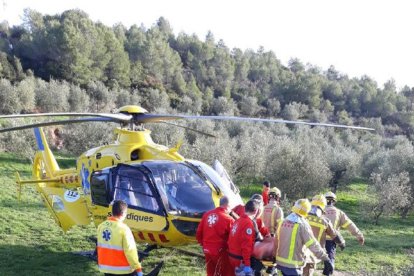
67	62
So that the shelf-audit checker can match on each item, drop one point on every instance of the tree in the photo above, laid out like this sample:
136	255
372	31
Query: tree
248	106
52	96
78	99
222	106
26	91
396	160
81	137
101	98
386	191
297	167
294	111
272	107
9	98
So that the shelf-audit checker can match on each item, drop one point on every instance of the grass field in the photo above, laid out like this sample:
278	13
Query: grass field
31	242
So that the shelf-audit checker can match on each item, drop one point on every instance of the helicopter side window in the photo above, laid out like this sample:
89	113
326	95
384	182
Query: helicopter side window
99	189
132	186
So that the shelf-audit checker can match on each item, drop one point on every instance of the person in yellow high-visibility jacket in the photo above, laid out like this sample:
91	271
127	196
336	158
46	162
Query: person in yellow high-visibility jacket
116	248
293	237
321	227
272	214
339	220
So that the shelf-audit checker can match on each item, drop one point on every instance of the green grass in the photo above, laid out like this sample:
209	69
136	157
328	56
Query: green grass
388	246
32	243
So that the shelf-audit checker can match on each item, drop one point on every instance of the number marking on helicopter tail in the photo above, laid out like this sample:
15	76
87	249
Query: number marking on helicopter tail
71	196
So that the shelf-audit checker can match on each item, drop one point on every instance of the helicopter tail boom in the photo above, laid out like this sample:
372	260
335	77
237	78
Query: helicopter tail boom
50	164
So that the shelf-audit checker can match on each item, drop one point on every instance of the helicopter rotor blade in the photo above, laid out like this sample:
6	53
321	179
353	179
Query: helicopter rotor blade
57	123
146	118
191	129
279	121
155	118
141	118
119	117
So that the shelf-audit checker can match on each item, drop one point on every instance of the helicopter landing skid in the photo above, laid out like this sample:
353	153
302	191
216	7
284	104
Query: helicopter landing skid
143	254
89	254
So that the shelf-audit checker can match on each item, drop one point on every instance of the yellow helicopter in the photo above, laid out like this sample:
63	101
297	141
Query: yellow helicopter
166	193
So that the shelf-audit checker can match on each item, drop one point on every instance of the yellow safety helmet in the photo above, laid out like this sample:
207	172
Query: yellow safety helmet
320	201
275	191
302	207
330	195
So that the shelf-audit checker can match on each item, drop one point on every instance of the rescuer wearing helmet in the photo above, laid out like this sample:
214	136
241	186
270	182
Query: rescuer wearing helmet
321	226
212	234
117	251
273	213
339	220
265	192
242	237
293	237
272	217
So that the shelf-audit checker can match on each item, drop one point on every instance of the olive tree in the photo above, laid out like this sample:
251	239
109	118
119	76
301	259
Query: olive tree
396	159
388	195
52	96
26	91
297	167
9	100
81	137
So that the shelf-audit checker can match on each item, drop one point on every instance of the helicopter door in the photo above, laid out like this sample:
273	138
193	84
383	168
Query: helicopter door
67	206
132	185
219	168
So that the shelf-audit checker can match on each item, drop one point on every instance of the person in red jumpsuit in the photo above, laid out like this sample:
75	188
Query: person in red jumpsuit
242	237
265	192
238	212
212	234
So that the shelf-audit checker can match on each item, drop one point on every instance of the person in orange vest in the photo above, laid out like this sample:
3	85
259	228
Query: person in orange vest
212	234
265	192
321	227
116	248
339	220
293	237
273	214
242	237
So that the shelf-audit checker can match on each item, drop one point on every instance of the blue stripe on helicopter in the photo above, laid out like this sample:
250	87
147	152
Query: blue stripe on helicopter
39	140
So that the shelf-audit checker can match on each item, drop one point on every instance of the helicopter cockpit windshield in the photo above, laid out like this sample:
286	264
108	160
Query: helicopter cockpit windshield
183	191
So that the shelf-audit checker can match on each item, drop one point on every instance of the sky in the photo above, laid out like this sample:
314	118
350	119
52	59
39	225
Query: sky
358	37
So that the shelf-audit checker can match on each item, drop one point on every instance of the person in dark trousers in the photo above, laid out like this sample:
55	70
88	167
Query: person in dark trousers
339	220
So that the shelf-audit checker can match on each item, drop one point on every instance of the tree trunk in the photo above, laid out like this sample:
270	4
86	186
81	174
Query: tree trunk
333	183
404	212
